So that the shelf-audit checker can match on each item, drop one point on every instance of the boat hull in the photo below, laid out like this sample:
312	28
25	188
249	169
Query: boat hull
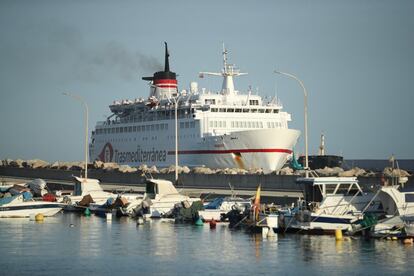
25	209
266	149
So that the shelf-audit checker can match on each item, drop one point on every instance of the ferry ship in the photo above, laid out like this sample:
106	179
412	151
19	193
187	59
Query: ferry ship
224	129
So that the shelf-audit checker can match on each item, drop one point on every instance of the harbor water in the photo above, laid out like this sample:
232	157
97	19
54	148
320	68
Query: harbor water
72	244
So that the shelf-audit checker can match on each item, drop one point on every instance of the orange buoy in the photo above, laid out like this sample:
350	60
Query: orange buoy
213	224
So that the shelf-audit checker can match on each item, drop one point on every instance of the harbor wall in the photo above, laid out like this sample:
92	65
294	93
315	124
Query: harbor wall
269	182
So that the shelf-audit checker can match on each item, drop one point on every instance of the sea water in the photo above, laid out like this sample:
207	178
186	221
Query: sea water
72	244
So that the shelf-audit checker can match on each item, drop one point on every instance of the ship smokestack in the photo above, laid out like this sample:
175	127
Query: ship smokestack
164	83
167	55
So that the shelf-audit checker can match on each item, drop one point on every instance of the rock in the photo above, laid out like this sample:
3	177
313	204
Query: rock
98	164
77	166
390	172
153	169
353	172
286	171
202	170
110	166
185	169
126	169
35	164
16	163
55	165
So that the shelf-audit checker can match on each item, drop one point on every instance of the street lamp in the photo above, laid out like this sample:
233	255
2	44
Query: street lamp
86	129
305	93
176	135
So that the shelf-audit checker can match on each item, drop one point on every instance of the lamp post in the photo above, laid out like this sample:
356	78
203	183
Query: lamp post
86	129
176	135
305	93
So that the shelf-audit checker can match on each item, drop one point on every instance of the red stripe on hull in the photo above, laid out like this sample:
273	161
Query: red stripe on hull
229	151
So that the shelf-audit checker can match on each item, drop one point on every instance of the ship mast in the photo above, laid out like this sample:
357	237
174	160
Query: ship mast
228	72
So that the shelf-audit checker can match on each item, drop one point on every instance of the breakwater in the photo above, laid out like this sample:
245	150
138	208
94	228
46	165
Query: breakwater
269	182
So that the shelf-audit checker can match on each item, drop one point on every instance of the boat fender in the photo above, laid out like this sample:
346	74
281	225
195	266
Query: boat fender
39	217
213	224
199	222
87	212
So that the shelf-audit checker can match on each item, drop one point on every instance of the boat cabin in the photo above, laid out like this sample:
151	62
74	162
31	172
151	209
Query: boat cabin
159	187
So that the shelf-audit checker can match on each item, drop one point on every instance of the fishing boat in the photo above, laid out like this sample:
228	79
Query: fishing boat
22	206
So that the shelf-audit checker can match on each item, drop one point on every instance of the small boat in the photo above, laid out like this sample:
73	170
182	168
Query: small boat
216	209
159	199
330	203
89	193
22	206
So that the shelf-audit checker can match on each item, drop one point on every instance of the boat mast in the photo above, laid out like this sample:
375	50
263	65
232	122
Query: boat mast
228	72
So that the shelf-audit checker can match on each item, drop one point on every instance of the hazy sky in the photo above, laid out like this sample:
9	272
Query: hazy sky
356	59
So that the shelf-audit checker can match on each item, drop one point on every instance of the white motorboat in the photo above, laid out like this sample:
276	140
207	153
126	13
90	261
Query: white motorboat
222	205
85	187
330	203
18	207
398	207
160	197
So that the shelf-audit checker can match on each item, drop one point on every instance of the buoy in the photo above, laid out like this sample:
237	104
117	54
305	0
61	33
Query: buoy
87	212
338	234
213	224
71	225
39	217
199	222
140	220
108	216
408	241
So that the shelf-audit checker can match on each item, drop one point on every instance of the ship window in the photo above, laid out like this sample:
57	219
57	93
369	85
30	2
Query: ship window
192	124
268	111
130	129
254	110
230	110
147	128
244	124
187	124
232	124
162	126
224	123
261	124
254	102
214	110
245	110
117	130
261	111
135	128
125	129
249	124
238	110
215	123
166	126
222	110
210	101
275	110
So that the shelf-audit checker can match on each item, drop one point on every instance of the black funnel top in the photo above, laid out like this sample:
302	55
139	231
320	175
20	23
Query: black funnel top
166	74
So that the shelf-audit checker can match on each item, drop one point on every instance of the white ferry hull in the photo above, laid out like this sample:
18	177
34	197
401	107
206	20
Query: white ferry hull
267	149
